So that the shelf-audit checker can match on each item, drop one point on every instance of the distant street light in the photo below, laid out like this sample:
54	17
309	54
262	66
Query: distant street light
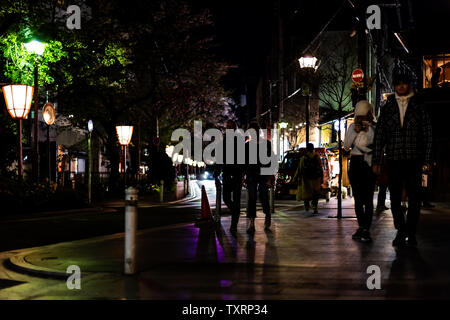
308	62
37	48
283	125
90	129
124	134
49	115
18	102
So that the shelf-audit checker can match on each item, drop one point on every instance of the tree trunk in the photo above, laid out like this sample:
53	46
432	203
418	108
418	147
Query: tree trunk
113	154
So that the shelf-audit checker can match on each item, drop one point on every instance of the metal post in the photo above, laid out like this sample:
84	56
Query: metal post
139	152
89	170
125	165
188	180
36	125
307	118
19	142
161	192
48	155
218	199
339	213
131	202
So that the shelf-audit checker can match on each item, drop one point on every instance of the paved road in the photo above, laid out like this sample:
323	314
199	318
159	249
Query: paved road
304	256
33	232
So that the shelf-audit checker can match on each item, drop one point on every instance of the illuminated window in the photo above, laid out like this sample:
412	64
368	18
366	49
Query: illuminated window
436	70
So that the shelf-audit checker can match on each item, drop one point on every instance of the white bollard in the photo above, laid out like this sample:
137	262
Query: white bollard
131	202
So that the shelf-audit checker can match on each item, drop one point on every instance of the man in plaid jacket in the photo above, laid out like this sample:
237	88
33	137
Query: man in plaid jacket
403	131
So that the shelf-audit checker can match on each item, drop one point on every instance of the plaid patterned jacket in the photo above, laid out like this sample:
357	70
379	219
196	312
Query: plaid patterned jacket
412	142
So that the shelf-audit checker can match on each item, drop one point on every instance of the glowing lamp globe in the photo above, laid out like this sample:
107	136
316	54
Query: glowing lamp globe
18	99
35	47
90	126
124	133
283	125
308	62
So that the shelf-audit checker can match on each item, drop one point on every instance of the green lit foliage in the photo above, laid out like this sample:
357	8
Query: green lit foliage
19	63
130	64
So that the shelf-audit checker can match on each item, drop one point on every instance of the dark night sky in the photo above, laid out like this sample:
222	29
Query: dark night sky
244	27
243	30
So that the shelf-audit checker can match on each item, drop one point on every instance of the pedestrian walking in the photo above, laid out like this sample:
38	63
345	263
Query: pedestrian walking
309	176
231	181
255	181
404	129
382	183
359	139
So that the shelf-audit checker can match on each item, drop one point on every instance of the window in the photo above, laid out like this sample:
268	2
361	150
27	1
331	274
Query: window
436	70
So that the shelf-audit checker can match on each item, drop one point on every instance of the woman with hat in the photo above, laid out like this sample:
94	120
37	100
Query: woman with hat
359	139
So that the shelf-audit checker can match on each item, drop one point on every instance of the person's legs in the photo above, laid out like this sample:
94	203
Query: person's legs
355	175
252	184
263	189
227	188
368	190
395	177
236	203
315	201
381	200
316	194
413	185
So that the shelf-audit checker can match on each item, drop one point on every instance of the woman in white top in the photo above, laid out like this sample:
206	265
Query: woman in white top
359	139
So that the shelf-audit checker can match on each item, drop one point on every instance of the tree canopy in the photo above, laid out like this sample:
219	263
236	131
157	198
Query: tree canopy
145	63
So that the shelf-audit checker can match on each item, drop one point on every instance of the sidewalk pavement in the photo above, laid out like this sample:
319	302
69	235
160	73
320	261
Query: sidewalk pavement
109	205
303	256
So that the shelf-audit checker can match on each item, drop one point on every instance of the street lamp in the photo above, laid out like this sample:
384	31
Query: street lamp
49	115
308	62
18	102
90	129
124	134
37	48
283	126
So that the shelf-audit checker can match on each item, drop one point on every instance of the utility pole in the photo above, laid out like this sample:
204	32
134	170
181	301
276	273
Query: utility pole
36	125
280	59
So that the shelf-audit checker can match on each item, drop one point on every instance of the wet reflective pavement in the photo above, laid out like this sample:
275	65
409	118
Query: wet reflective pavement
303	256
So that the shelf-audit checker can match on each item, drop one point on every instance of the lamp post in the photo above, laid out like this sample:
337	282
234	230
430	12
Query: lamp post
49	115
308	62
283	126
90	129
18	102
124	134
37	48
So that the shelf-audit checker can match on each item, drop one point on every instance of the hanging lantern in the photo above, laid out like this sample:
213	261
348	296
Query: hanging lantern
124	133
18	99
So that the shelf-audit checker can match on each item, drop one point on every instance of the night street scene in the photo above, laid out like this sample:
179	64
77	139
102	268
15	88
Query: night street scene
225	155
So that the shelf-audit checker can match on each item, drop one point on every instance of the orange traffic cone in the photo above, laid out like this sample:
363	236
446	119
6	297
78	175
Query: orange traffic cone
206	209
